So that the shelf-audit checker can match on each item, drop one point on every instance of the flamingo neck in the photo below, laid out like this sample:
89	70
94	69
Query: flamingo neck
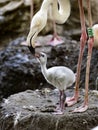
45	5
61	14
44	69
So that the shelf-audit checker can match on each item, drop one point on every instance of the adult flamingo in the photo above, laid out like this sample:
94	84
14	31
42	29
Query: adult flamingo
40	19
60	16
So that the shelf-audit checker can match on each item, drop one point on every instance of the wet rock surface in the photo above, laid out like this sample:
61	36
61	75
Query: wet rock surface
15	59
33	110
20	70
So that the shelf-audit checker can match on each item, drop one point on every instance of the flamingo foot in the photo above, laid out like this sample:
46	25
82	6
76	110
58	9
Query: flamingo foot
55	41
37	44
58	112
24	43
82	108
70	101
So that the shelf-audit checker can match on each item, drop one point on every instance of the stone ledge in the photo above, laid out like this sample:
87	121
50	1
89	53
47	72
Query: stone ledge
32	110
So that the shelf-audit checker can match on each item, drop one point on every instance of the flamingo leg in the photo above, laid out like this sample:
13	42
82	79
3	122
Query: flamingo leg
32	8
60	109
71	101
84	106
63	97
55	40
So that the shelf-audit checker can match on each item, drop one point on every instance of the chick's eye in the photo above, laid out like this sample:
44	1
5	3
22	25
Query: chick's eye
42	55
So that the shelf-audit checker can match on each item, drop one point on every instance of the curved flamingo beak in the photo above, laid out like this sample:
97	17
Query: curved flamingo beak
32	50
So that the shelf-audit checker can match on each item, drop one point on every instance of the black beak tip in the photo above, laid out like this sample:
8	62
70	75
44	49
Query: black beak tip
32	50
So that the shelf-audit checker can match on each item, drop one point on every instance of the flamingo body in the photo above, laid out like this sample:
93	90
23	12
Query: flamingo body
60	16
40	18
60	77
95	30
37	24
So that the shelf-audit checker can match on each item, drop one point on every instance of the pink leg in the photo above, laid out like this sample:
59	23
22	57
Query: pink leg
32	8
56	40
83	39
84	107
60	110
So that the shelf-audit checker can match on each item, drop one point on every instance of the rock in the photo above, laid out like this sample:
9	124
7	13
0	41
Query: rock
19	70
23	111
15	17
13	5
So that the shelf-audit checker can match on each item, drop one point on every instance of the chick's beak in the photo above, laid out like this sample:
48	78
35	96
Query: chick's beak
37	55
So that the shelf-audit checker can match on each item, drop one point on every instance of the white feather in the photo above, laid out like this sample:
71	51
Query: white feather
96	128
59	76
95	30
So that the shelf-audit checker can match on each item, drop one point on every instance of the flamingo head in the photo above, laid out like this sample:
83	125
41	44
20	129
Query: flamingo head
42	57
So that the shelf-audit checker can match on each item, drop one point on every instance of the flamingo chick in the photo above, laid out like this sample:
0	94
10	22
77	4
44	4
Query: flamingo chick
60	77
